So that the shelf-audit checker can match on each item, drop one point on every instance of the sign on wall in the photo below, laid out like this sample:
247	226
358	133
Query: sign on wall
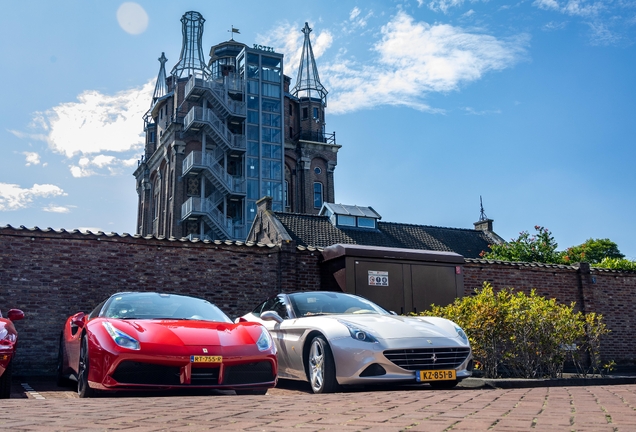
378	278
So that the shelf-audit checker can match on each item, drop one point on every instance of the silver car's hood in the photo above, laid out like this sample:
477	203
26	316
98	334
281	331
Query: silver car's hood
394	326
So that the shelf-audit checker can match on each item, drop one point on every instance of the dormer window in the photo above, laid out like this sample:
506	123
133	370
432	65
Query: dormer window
347	216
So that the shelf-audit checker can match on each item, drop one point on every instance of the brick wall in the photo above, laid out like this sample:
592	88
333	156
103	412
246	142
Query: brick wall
52	275
610	293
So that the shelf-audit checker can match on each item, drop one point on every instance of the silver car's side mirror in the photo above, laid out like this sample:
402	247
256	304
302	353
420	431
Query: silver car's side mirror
271	316
392	313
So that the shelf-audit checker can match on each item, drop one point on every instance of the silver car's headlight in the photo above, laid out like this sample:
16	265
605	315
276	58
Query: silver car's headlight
121	338
264	341
461	333
359	334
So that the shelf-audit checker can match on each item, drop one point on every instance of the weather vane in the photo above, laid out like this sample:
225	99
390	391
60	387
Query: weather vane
234	30
482	213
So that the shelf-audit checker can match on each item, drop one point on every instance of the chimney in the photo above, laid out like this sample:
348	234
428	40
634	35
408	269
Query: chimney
264	204
484	225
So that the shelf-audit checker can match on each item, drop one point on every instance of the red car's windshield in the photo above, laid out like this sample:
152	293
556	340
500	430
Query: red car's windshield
161	306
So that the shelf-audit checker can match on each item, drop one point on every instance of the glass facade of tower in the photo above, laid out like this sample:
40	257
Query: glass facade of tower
263	75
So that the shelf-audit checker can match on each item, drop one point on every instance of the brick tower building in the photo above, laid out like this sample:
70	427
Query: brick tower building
224	133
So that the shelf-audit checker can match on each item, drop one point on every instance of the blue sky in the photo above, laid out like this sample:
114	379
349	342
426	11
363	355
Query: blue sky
529	104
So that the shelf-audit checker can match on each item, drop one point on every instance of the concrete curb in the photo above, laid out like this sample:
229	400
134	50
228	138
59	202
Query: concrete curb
511	383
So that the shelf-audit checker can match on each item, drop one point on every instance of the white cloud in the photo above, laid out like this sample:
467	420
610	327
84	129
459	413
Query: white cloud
442	5
95	124
32	158
354	13
472	111
13	197
581	8
56	209
415	58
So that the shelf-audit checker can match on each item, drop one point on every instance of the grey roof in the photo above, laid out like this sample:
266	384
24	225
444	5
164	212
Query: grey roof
317	231
352	210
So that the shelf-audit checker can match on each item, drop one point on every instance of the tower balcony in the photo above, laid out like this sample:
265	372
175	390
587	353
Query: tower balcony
216	94
316	136
203	118
222	226
196	162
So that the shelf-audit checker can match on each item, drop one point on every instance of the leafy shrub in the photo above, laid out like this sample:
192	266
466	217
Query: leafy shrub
617	264
527	336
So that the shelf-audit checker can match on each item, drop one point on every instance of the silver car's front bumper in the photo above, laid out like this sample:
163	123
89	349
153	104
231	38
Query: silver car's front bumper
353	357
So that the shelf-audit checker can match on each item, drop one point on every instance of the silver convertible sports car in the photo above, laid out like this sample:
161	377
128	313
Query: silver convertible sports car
332	339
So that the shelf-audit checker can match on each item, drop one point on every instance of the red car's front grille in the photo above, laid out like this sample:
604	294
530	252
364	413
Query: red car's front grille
248	373
205	376
132	372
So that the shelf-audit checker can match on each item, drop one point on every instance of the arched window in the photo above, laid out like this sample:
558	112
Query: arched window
317	195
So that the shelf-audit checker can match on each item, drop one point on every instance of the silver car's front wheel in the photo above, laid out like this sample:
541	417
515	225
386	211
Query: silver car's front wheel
321	368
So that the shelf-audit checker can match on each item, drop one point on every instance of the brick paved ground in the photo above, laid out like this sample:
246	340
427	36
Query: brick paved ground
591	408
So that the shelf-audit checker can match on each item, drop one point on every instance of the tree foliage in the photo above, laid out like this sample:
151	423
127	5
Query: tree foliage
593	251
527	336
541	247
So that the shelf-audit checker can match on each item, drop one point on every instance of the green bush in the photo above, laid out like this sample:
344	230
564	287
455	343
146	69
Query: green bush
526	336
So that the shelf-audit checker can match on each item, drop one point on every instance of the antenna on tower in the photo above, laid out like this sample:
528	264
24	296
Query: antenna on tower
482	213
191	61
308	82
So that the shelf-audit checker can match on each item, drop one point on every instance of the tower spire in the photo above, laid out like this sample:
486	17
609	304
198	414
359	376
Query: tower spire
191	61
161	87
308	82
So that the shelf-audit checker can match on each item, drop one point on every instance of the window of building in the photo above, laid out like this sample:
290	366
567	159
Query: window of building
252	116
271	105
271	119
252	87
305	113
252	189
252	167
252	58
252	102
317	195
271	90
252	133
317	170
252	148
291	110
364	222
346	220
286	193
315	112
270	135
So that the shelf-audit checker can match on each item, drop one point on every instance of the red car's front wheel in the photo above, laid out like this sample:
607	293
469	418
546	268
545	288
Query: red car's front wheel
83	389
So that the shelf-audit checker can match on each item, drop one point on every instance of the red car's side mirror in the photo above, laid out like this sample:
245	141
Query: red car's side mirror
15	314
79	319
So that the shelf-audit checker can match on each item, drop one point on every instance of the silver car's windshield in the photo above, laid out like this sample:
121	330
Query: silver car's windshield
161	306
321	302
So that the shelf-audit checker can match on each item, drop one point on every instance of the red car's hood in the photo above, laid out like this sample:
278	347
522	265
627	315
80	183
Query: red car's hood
188	333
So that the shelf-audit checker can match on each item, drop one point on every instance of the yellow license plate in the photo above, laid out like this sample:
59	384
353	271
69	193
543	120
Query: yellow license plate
206	359
435	375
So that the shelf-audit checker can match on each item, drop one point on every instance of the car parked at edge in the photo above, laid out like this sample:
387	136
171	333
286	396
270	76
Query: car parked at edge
331	339
8	345
140	340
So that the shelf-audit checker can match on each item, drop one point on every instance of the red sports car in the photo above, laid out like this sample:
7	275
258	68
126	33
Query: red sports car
136	341
8	344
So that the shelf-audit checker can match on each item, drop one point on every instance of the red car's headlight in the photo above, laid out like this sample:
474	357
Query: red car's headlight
121	338
6	340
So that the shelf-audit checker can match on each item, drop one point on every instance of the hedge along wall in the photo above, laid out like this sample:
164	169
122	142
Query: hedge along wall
51	275
610	293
